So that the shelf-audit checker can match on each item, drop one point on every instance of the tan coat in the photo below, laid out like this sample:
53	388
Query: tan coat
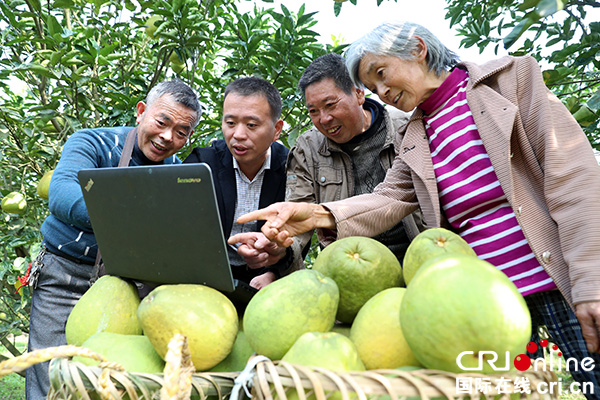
542	158
319	171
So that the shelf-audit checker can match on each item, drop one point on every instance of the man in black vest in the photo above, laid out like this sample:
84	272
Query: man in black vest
248	168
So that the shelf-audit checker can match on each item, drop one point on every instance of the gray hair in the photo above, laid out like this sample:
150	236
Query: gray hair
397	39
329	66
252	86
180	92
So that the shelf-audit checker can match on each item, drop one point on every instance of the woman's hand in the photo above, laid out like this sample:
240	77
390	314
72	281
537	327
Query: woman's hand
286	220
588	315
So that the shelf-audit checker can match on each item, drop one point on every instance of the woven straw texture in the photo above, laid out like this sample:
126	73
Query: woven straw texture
264	379
281	380
109	381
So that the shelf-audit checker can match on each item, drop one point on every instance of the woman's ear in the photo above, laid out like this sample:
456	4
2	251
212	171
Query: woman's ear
420	51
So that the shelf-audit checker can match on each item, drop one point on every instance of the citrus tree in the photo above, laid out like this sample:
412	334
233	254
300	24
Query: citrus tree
558	34
71	64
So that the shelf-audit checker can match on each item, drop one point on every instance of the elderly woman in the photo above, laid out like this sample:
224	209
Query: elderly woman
492	154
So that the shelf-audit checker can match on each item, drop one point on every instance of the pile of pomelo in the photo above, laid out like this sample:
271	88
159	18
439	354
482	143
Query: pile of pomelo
350	311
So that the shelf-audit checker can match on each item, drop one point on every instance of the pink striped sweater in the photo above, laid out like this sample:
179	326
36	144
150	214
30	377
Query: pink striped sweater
470	193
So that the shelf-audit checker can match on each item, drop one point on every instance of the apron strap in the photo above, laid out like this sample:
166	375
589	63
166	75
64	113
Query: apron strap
123	162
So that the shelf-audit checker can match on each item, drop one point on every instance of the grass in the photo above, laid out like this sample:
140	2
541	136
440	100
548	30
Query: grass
12	387
566	380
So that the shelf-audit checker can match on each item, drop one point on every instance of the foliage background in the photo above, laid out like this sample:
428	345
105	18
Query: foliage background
87	63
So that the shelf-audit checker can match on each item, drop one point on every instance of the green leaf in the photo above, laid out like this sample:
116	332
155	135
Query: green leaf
572	104
549	7
54	28
518	30
63	4
527	4
337	7
585	116
36	69
551	76
20	264
176	6
594	101
36	5
306	18
108	49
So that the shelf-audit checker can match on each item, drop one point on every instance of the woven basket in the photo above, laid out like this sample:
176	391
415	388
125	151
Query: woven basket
262	379
281	380
109	381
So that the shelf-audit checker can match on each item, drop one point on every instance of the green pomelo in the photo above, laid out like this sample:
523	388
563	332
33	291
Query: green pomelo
152	24
177	68
361	267
14	203
429	244
276	316
238	358
329	350
377	333
177	64
134	352
459	303
204	315
43	185
110	305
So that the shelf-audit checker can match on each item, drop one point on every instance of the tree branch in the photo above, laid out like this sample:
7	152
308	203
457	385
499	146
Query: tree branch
595	80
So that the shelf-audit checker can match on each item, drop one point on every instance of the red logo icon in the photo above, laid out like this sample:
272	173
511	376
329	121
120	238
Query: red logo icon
522	362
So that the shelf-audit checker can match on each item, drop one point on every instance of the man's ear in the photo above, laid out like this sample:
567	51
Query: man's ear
420	52
360	96
278	129
140	109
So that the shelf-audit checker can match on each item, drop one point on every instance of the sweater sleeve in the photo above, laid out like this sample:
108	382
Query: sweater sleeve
81	151
373	213
571	178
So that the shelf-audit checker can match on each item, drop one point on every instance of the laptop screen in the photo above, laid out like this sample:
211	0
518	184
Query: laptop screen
158	224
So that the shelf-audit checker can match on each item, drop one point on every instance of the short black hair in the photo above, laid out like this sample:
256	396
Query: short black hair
328	66
253	85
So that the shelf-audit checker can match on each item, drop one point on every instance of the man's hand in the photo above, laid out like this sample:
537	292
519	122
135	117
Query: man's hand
288	219
588	315
257	250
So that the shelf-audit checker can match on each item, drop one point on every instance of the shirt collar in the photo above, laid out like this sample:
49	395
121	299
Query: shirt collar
266	164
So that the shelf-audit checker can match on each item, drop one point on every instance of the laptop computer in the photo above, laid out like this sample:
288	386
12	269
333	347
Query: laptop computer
160	225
